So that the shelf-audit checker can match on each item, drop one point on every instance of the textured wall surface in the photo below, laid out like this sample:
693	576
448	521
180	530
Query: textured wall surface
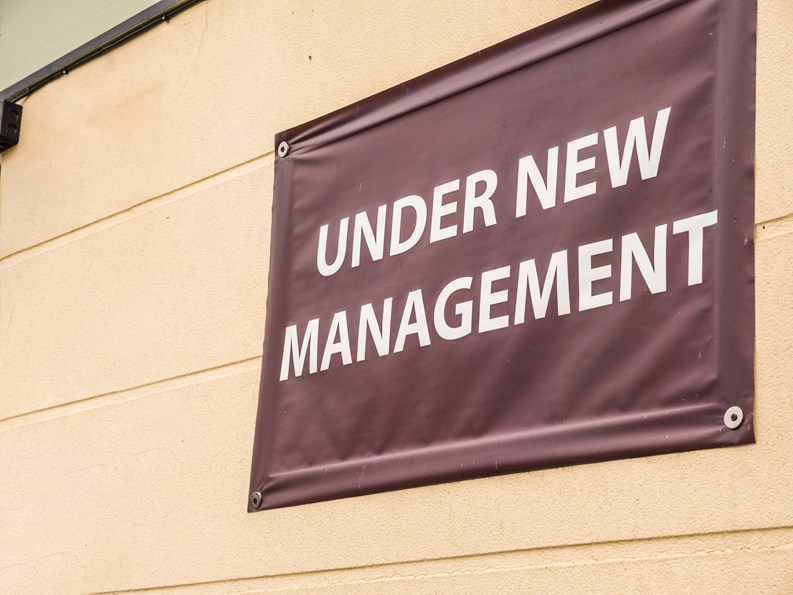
134	236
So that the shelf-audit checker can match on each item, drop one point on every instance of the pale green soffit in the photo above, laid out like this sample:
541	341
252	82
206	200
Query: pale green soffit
34	33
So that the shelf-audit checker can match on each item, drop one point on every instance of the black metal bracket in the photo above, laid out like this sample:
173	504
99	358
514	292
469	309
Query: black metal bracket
10	124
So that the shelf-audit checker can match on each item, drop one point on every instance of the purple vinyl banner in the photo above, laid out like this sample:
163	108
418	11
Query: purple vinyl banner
539	255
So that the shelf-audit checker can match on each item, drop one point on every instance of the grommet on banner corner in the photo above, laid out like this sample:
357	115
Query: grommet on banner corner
733	417
256	500
283	149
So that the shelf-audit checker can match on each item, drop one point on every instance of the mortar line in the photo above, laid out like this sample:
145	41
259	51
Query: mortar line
464	557
772	228
154	202
126	394
133	211
468	572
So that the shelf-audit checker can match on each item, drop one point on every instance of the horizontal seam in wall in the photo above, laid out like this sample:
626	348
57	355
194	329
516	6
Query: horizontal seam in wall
524	568
772	228
506	568
135	210
764	229
119	396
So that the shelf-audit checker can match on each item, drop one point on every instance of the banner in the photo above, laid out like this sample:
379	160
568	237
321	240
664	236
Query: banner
539	255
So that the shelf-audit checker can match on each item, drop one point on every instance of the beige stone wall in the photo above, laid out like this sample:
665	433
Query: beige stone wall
134	235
